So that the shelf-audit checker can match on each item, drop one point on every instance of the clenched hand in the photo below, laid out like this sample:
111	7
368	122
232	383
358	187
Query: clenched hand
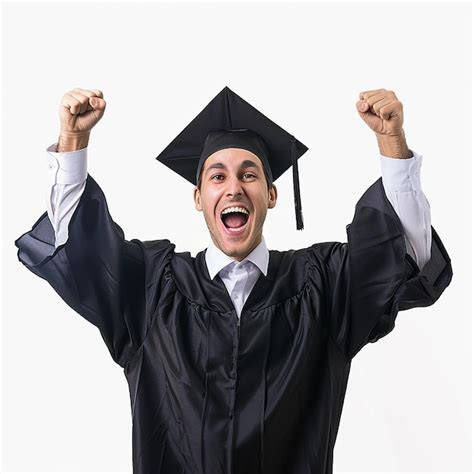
381	110
79	112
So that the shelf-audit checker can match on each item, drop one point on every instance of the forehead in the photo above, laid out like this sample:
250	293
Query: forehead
232	157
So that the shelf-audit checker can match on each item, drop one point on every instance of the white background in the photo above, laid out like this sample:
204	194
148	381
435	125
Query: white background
65	402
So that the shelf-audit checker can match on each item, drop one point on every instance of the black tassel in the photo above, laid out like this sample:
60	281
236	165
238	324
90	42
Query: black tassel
296	186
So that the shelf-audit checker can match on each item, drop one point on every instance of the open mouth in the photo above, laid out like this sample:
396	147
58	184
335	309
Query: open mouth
235	219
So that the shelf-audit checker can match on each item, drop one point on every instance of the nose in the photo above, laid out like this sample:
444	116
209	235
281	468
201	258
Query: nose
234	186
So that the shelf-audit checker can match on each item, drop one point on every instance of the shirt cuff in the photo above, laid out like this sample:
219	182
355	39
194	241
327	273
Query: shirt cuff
68	167
401	174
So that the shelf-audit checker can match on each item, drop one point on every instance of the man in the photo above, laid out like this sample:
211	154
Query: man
237	359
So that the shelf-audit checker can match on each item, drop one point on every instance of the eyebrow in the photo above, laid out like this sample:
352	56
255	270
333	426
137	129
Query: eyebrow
244	164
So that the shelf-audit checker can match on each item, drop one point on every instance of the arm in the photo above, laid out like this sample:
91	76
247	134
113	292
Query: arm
369	279
372	277
383	113
79	112
68	174
402	185
96	271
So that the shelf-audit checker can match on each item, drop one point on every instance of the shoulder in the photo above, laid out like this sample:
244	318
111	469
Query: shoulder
290	271
323	254
156	254
151	247
315	256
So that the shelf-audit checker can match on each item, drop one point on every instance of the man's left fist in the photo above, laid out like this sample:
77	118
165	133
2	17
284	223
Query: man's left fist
381	111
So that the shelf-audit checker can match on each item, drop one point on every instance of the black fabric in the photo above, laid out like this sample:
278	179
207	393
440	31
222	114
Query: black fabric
208	396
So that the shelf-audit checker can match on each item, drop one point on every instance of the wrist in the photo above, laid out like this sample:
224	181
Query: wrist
68	141
394	146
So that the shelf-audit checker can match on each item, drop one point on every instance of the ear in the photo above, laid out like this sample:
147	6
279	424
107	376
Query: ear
273	195
197	199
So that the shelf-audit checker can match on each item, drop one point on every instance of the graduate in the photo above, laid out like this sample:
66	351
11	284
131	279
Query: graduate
237	359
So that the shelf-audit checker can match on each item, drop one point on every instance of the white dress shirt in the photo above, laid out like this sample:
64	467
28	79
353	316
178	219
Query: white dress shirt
67	173
238	277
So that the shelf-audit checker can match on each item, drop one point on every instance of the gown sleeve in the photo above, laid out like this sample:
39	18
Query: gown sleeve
97	272
370	278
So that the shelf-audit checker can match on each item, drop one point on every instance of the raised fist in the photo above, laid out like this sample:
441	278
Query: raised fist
381	111
79	111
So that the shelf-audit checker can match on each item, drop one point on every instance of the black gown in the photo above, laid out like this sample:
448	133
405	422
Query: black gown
210	396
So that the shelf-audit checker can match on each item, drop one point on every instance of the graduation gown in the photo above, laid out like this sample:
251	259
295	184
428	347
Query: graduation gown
209	396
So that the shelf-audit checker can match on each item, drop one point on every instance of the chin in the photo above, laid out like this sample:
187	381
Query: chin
238	250
235	250
235	246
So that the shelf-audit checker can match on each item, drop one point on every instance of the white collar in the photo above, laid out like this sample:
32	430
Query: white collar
216	259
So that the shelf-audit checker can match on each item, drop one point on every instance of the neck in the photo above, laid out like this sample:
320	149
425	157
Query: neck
238	256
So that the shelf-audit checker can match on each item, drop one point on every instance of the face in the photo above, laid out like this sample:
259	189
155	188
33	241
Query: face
234	197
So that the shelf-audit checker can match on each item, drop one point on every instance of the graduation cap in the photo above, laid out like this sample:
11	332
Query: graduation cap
228	121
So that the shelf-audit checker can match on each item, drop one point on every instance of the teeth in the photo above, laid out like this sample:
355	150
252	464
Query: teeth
234	209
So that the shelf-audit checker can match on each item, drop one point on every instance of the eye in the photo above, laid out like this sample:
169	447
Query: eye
217	176
251	175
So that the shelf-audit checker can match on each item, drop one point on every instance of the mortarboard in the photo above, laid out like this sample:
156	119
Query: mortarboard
229	121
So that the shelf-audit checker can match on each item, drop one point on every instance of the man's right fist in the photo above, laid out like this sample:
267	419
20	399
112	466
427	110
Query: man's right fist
80	110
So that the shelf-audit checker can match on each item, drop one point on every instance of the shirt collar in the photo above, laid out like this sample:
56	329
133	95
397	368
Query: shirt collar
216	259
